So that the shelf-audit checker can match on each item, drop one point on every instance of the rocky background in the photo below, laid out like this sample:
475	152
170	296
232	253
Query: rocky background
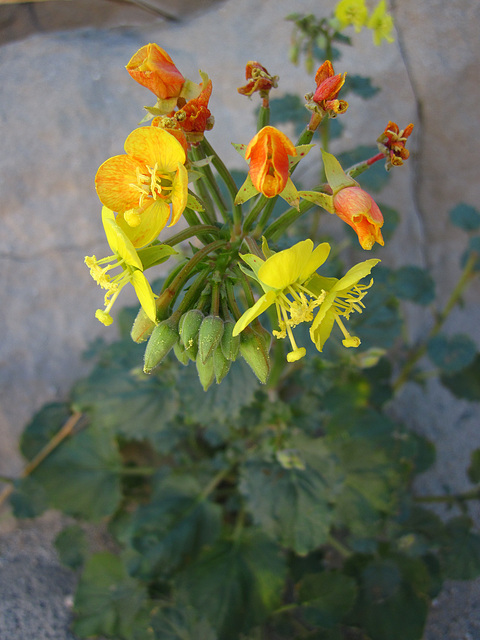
67	104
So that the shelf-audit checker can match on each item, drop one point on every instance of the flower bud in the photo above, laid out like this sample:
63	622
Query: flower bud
229	344
188	329
206	371
209	336
221	366
180	353
142	327
153	68
358	209
254	351
163	338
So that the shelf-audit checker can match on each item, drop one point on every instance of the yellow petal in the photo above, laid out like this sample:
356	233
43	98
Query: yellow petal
145	295
259	307
152	220
118	240
285	267
322	327
152	145
355	274
114	181
316	259
179	193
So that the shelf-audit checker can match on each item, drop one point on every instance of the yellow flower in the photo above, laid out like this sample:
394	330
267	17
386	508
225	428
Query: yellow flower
283	276
341	298
381	23
142	185
351	12
126	257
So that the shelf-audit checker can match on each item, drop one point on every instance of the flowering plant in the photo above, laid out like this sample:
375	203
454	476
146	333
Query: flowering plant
276	506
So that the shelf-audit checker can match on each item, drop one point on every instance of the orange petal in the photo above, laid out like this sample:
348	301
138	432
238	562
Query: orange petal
114	181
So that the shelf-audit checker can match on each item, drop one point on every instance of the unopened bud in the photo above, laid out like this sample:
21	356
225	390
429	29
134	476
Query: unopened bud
163	338
180	353
188	329
206	372
221	365
229	344
142	327
254	351
209	336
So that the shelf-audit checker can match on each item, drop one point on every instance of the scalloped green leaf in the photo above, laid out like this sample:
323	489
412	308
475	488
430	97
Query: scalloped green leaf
108	601
326	597
29	499
291	499
174	526
360	85
465	384
42	427
236	584
72	546
81	476
460	553
465	216
414	284
451	353
181	622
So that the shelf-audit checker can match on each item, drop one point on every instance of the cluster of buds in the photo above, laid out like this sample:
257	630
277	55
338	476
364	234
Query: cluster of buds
207	311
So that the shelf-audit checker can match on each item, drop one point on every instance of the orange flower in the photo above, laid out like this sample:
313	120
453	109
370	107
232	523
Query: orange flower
392	144
141	185
194	117
153	68
324	101
269	165
358	209
258	80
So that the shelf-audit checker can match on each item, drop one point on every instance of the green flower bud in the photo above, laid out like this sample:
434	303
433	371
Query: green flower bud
254	350
209	336
188	329
180	353
230	344
221	365
206	371
163	338
142	327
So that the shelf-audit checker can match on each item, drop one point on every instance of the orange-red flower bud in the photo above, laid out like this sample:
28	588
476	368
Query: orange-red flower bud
153	68
392	143
358	209
258	80
325	98
268	152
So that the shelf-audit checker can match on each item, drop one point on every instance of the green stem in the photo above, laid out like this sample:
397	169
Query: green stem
421	350
208	215
287	218
214	482
195	230
171	291
136	471
262	223
263	117
338	546
473	494
211	184
356	169
226	176
254	213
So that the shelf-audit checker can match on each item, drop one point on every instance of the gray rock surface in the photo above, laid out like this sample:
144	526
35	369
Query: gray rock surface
67	104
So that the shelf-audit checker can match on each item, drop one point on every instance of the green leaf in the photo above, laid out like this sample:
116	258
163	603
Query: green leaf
465	384
81	476
392	600
43	426
473	470
107	601
361	85
414	284
181	622
72	546
473	247
236	584
155	254
460	553
326	597
127	402
465	216
451	353
376	177
292	502
220	402
29	499
174	526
